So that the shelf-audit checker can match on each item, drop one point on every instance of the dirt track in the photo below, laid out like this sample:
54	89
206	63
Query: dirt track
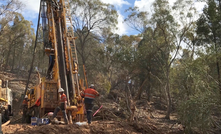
101	127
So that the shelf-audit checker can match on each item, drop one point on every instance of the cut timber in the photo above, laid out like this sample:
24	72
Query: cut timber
6	123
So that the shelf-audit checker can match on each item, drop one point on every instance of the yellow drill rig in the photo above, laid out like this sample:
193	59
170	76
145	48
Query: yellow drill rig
59	44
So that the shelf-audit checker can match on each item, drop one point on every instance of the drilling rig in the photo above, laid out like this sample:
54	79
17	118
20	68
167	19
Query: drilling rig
59	46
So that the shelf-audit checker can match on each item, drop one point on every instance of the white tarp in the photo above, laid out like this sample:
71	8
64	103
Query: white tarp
81	123
9	96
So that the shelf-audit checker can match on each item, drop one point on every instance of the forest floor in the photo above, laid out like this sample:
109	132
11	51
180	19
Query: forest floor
111	119
97	127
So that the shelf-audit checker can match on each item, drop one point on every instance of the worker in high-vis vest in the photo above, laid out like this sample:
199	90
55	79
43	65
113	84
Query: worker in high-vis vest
89	96
25	109
62	106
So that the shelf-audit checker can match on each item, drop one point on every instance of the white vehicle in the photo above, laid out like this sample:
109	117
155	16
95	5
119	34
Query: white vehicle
5	101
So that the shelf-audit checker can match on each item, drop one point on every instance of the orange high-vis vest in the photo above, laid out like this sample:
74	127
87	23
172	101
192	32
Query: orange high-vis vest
89	93
38	102
63	98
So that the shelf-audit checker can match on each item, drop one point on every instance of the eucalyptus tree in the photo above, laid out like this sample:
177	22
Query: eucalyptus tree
137	20
8	8
170	25
173	24
20	36
90	17
209	30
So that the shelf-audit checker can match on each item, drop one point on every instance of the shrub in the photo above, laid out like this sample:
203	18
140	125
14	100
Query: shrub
196	112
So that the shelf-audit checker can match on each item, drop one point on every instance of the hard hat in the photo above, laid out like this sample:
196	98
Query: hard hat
26	96
50	114
60	90
92	85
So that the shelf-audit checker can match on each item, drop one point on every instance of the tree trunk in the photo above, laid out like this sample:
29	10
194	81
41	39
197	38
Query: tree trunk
217	65
7	57
39	60
169	102
193	50
13	60
2	60
218	73
148	89
19	61
85	71
149	79
140	90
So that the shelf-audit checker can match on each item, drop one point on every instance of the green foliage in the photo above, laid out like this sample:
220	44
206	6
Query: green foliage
8	10
208	24
197	111
190	78
137	19
195	89
90	19
150	60
92	14
103	84
17	37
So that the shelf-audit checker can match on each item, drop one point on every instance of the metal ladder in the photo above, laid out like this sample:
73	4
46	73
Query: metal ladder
71	39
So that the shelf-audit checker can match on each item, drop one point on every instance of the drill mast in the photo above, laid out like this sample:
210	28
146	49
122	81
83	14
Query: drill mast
59	44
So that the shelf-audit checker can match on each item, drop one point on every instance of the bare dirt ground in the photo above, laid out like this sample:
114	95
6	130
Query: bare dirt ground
157	125
97	127
17	82
111	119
